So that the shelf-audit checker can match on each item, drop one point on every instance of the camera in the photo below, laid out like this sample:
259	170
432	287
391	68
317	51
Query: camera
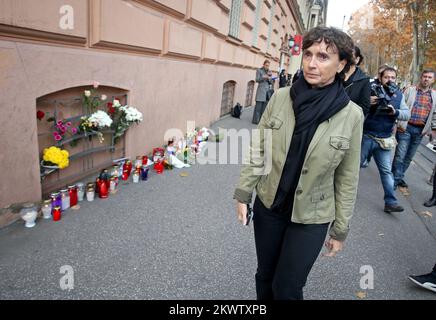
384	94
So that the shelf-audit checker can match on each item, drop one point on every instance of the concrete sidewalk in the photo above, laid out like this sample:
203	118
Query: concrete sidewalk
176	237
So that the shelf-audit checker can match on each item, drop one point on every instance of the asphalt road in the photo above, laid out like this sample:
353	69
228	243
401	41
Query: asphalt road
176	237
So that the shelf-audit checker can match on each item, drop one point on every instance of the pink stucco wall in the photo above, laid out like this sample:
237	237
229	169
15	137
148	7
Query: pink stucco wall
168	92
171	56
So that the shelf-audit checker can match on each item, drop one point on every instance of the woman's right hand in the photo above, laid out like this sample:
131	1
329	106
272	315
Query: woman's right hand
241	210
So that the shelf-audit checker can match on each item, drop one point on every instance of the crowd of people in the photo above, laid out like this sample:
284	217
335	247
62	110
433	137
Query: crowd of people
327	122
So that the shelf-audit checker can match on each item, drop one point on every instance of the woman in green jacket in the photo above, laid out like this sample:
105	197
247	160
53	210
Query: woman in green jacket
304	167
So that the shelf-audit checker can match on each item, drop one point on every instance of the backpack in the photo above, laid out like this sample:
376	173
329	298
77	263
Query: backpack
236	111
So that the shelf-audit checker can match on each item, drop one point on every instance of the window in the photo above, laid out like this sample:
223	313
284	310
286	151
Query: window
235	18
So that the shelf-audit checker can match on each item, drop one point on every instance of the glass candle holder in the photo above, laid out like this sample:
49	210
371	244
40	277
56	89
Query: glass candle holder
65	199
46	209
144	173
113	185
135	177
80	191
56	199
72	191
90	194
57	213
29	213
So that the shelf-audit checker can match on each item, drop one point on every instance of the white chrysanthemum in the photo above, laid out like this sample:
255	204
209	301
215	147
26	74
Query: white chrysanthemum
101	118
132	114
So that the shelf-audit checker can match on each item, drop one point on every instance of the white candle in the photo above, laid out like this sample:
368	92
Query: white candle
90	195
135	178
46	211
65	201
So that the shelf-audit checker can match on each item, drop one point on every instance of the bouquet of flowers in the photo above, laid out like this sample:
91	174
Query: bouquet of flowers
90	100
55	157
95	122
124	117
100	119
132	114
61	129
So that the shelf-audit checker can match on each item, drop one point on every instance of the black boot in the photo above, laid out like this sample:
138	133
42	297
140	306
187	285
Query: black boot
431	202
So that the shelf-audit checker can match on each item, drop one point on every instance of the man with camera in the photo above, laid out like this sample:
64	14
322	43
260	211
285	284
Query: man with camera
387	106
421	101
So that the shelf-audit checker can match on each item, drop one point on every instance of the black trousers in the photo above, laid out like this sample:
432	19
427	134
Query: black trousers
286	252
258	111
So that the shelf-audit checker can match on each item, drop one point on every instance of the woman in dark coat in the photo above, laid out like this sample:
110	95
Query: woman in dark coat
357	84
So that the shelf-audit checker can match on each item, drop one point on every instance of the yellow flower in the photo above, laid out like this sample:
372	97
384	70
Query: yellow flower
56	156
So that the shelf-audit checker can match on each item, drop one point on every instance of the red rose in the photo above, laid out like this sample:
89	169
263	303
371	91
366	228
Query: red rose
110	108
40	115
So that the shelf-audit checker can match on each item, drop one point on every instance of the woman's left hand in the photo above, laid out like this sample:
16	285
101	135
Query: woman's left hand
333	246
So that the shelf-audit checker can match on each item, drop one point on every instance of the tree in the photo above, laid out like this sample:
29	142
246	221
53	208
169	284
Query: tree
400	33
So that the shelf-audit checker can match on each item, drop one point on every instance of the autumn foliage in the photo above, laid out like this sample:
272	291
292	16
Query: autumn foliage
399	33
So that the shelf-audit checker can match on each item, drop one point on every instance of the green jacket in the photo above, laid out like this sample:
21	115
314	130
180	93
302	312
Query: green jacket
328	182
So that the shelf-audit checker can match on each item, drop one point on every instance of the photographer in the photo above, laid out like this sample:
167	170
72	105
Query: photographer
387	106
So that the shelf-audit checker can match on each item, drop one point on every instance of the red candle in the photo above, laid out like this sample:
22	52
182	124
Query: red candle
57	213
125	176
159	167
127	169
103	190
144	160
129	166
72	190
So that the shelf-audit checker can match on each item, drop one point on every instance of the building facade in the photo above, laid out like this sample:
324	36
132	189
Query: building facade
174	60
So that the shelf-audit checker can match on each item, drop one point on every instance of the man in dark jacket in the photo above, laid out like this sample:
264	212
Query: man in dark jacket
283	78
357	84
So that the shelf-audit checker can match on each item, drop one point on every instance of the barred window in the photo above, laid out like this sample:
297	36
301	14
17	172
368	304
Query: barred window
256	23
235	18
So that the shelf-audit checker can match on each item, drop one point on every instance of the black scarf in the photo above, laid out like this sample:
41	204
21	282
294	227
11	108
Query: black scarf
312	106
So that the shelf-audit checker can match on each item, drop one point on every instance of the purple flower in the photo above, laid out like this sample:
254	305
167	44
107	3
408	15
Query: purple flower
58	137
68	124
74	130
59	123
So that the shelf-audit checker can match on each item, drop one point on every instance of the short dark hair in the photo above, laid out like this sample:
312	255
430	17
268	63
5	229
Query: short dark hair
334	38
358	54
383	67
388	69
265	62
428	71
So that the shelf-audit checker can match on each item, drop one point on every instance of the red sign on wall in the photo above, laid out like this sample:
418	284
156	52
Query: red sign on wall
298	43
